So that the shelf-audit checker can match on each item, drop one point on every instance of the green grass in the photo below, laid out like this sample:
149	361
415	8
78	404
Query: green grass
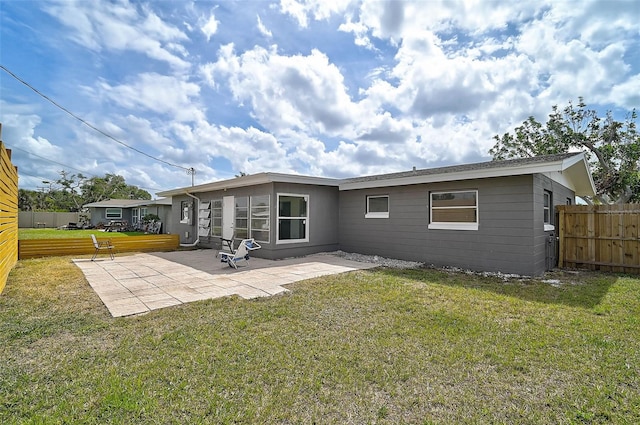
382	346
60	234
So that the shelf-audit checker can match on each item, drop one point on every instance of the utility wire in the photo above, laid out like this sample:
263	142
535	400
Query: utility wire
66	166
91	126
51	160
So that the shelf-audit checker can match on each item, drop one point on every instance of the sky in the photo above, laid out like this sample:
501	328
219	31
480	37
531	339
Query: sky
316	87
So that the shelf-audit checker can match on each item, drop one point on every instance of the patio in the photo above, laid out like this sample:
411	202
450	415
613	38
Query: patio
139	283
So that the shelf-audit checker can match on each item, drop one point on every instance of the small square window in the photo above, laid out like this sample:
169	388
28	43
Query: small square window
377	206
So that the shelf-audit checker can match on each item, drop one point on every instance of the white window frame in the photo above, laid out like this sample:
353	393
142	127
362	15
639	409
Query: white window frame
252	216
237	218
135	217
278	218
547	209
186	212
377	214
113	216
444	225
216	214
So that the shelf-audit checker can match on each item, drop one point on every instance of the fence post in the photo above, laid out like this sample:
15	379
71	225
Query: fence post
561	237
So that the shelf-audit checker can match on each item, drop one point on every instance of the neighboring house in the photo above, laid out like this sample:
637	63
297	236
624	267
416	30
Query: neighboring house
490	216
130	210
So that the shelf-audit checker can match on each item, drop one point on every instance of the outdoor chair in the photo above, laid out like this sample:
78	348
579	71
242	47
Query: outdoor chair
99	246
229	243
240	254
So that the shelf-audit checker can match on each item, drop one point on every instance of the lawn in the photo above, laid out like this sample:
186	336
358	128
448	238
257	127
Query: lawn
382	346
60	234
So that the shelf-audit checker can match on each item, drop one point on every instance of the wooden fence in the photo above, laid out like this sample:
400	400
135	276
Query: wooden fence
8	214
34	248
600	237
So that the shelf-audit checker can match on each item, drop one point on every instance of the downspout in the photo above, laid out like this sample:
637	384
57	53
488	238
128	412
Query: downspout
188	245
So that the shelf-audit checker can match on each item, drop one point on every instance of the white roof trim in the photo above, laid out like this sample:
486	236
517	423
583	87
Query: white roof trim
252	180
580	177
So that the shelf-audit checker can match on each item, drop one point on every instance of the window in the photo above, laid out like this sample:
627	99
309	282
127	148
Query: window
113	213
293	218
186	212
454	210
204	218
216	217
260	218
135	216
546	211
241	228
547	207
377	207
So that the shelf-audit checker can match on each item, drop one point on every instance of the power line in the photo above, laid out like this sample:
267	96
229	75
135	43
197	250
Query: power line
66	166
51	160
91	126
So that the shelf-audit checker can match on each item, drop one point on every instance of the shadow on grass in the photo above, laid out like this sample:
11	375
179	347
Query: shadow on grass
575	289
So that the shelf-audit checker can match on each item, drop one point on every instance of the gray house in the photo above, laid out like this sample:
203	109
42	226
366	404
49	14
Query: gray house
490	216
131	211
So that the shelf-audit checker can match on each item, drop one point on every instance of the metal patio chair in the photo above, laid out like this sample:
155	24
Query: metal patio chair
102	245
240	254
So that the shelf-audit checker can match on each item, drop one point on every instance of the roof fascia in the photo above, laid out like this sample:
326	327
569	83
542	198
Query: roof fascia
252	180
547	167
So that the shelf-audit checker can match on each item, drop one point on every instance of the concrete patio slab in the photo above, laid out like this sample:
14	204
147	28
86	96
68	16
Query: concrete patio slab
139	283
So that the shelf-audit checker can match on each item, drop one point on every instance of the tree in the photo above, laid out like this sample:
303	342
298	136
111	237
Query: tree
111	186
612	147
71	191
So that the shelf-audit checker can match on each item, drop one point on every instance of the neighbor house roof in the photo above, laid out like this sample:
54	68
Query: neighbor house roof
569	169
252	180
128	203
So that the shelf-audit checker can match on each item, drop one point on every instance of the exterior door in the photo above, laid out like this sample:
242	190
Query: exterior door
228	213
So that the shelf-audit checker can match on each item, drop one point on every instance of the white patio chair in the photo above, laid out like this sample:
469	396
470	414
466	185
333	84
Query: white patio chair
240	254
99	246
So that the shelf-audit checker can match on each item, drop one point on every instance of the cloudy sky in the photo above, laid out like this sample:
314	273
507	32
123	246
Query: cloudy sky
317	87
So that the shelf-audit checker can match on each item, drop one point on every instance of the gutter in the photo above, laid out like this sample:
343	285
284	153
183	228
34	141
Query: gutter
189	245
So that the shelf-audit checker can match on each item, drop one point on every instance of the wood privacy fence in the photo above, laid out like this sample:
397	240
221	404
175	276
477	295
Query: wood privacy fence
600	237
34	248
8	215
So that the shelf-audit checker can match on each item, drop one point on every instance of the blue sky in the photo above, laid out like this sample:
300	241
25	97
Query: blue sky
323	88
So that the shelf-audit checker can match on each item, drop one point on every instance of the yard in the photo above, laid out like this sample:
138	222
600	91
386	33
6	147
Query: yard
382	346
24	234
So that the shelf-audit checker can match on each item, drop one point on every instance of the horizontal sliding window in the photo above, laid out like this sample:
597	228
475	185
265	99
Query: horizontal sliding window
454	210
113	213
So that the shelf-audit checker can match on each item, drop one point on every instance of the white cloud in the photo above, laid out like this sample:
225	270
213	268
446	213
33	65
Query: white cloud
317	9
263	29
172	96
287	92
120	27
210	27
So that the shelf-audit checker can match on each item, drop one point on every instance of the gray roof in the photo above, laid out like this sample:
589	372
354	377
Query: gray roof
570	168
128	203
519	162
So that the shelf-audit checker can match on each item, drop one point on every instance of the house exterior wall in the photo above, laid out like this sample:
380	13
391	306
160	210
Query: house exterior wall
323	210
559	196
510	236
98	215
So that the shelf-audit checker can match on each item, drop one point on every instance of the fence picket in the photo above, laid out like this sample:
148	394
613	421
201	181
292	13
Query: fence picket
600	237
